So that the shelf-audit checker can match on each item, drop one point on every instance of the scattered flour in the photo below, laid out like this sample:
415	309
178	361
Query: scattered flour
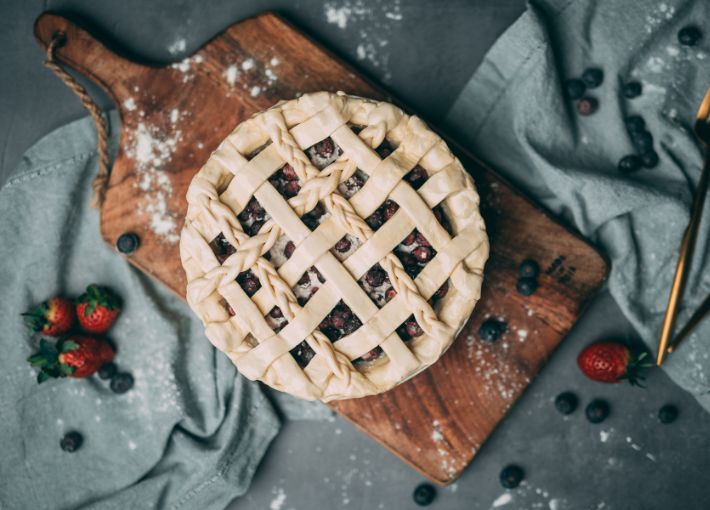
604	435
186	64
177	47
502	500
248	64
129	104
152	150
436	434
255	90
376	19
274	61
278	501
132	445
231	74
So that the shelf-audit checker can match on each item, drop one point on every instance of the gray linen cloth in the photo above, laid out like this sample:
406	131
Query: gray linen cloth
513	115
188	435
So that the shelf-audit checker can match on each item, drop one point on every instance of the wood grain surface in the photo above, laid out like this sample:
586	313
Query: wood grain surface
173	117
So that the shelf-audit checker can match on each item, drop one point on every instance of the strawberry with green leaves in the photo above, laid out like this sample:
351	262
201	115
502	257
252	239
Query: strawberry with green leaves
53	317
77	356
611	362
97	309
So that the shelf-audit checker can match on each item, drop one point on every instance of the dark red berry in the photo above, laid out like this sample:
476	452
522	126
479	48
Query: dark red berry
276	313
376	276
423	241
289	249
325	148
442	290
412	327
416	177
375	220
587	106
291	189
351	325
409	239
390	208
289	173
390	293
343	245
422	254
304	280
372	355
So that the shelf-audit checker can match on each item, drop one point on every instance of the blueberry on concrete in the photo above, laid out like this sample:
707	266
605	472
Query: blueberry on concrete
649	159
107	370
566	402
631	89
689	36
593	77
424	494
629	164
121	382
597	411
71	441
643	141
635	123
667	414
574	89
587	106
511	476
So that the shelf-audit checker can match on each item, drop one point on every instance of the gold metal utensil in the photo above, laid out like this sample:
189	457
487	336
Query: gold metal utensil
702	131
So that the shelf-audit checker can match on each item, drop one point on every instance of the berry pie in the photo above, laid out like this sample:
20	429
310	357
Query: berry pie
333	246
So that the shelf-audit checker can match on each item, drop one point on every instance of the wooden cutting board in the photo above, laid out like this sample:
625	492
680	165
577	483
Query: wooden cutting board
173	117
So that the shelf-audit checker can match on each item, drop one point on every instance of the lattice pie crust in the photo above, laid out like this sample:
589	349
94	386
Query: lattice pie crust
333	246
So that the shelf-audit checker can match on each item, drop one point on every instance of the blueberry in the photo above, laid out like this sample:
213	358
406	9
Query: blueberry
107	370
511	476
593	77
635	123
597	411
629	164
574	89
71	441
424	494
631	90
127	243
121	382
643	141
566	402
689	36
649	159
587	106
529	269
526	286
491	330
668	414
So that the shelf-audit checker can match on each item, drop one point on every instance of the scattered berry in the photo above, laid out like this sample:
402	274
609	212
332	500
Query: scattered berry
491	329
127	243
597	411
107	370
97	309
424	494
71	441
635	123
668	414
53	317
632	89
526	286
689	36
643	141
629	164
649	159
574	89
121	382
611	362
529	269
593	77
511	476
566	402
587	106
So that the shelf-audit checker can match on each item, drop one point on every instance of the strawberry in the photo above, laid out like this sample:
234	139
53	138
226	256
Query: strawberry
611	362
97	309
76	356
53	317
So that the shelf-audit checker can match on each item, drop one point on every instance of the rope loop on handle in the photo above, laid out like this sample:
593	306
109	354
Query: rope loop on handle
101	180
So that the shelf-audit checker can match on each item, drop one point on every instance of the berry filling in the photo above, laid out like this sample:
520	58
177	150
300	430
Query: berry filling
275	319
315	217
416	177
441	218
285	181
352	185
376	283
256	151
384	149
370	356
249	282
382	214
323	153
308	285
409	329
440	293
341	321
221	248
281	251
227	307
303	354
414	252
346	246
253	217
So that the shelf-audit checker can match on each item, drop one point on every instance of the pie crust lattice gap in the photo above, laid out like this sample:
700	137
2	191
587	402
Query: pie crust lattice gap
333	246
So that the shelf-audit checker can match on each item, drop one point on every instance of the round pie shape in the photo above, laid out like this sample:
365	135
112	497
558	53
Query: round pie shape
333	246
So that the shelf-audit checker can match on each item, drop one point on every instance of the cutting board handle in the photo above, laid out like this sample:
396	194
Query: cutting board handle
83	53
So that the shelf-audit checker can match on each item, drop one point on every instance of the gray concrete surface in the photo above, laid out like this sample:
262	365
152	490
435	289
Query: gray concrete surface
423	51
